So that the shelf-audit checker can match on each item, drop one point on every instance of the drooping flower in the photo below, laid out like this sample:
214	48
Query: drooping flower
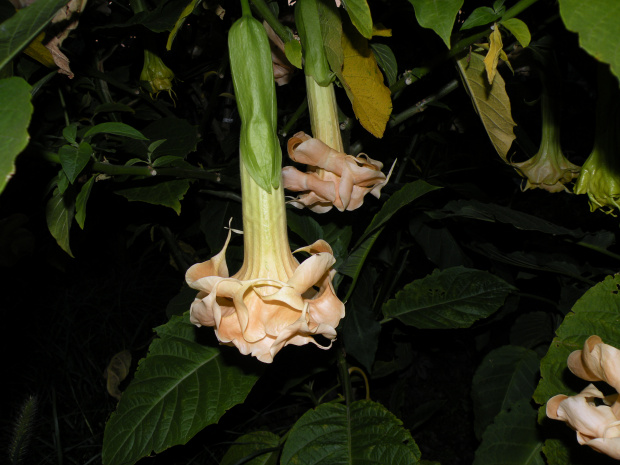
155	75
597	426
333	179
273	300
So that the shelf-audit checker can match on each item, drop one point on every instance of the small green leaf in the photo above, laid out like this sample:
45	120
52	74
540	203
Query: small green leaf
386	61
14	121
518	29
165	160
24	26
81	200
595	313
180	387
596	22
490	101
74	159
359	12
118	129
168	194
155	144
452	298
292	50
70	133
512	439
481	16
59	215
262	445
437	15
506	376
364	433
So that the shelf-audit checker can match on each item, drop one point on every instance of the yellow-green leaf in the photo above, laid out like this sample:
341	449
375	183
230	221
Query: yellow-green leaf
40	52
492	58
292	50
184	14
359	13
363	82
518	29
490	101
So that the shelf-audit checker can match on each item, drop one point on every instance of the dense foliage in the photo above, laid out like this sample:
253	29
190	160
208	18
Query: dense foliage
472	271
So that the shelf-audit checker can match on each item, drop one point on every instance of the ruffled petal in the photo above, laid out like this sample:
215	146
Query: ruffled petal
596	362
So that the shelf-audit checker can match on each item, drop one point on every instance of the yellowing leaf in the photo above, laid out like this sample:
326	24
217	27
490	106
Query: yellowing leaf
492	58
116	371
378	30
490	101
363	82
39	52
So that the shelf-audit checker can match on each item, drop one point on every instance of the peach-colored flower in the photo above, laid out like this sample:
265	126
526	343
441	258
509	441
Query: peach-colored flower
283	70
596	426
273	300
333	179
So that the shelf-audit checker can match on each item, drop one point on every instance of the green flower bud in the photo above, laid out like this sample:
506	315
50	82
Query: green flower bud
156	76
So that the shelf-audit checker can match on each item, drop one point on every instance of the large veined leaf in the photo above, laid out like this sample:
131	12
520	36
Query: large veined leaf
386	61
407	194
180	387
595	313
15	97
24	26
331	31
596	22
438	15
532	329
363	82
257	448
452	298
512	439
365	433
490	101
506	376
168	194
569	452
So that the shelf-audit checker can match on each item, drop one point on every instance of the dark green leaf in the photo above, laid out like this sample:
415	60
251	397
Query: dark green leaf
261	447
386	61
331	29
596	313
532	329
437	15
479	17
181	302
360	328
59	215
81	200
304	226
453	298
70	133
359	12
214	220
512	439
118	129
14	121
181	137
596	22
506	376
438	244
22	28
497	213
74	159
180	387
168	194
113	107
365	433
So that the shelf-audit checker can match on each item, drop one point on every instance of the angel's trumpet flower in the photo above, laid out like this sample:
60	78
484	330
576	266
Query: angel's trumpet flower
273	300
594	416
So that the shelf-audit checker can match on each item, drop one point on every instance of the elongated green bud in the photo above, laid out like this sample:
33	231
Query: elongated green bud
308	24
252	72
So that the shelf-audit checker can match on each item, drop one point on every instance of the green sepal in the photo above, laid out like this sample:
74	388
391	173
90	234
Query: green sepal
255	93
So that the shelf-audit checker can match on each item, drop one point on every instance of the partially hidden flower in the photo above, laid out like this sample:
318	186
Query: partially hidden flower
333	179
283	70
548	169
270	302
597	426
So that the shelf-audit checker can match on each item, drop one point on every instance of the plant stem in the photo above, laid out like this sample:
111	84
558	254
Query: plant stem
265	12
421	105
518	8
345	377
293	119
